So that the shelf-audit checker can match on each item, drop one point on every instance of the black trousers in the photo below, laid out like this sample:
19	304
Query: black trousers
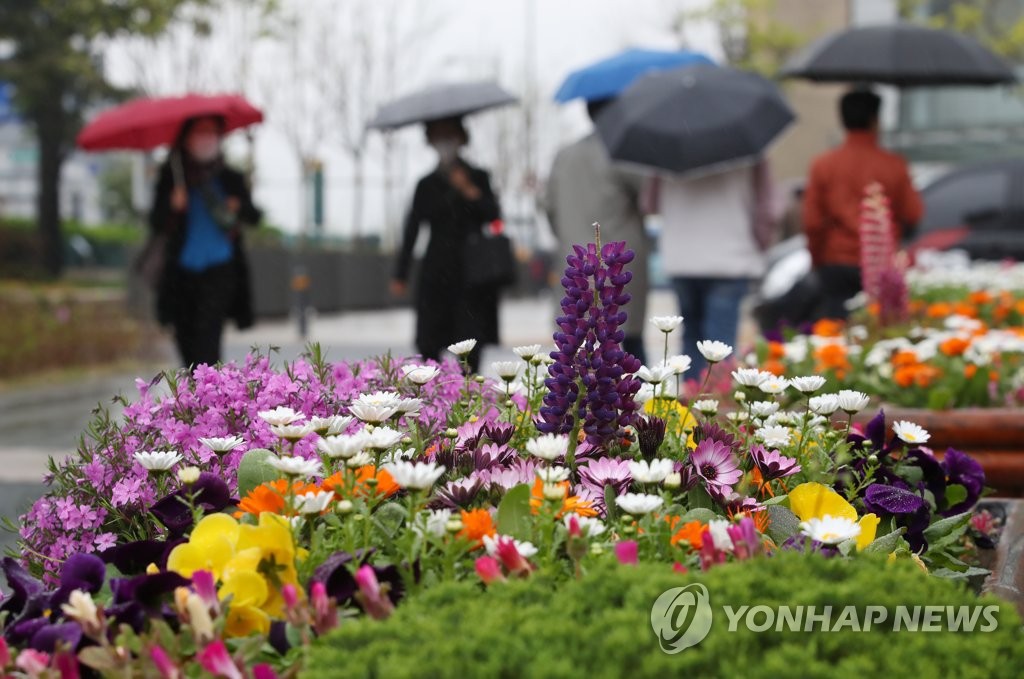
201	304
838	284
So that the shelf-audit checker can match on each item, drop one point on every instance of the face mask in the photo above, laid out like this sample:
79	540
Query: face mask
447	150
204	148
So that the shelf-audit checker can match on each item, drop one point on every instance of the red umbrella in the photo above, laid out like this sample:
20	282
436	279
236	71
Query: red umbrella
143	124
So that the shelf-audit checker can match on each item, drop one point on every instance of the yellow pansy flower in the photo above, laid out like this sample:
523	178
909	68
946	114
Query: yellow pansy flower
245	620
816	501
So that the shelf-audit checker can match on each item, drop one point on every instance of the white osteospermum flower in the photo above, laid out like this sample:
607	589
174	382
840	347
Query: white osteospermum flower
548	447
382	438
589	526
359	460
527	351
343	446
420	374
775	437
434	522
719	529
415	475
830	530
295	466
851	401
666	323
808	384
377	407
525	549
292	432
763	408
707	406
679	364
826	404
714	351
552	474
222	444
654	471
396	455
773	385
462	348
507	370
638	503
909	432
314	503
750	377
654	374
330	426
157	460
280	416
410	407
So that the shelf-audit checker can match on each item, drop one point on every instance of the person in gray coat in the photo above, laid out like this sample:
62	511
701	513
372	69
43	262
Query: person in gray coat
585	187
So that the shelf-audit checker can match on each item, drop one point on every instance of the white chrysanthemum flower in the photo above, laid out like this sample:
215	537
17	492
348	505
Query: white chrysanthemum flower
654	471
909	432
295	466
188	475
796	350
398	454
507	370
808	384
774	437
706	406
280	416
666	323
714	351
654	374
773	385
410	407
548	447
292	432
343	446
719	529
433	522
527	351
826	404
851	401
415	475
462	348
377	407
638	503
679	363
331	426
359	460
157	460
737	416
420	374
222	444
525	549
763	408
314	503
382	438
750	377
552	474
589	526
830	530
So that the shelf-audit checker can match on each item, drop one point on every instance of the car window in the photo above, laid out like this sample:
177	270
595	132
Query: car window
952	202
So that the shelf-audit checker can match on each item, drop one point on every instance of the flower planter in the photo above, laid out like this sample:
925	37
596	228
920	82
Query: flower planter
992	436
1007	560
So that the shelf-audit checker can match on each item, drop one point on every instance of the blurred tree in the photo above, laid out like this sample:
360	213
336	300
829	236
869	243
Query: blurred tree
116	187
57	74
751	37
999	24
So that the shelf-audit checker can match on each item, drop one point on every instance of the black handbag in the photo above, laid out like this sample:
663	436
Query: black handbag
488	261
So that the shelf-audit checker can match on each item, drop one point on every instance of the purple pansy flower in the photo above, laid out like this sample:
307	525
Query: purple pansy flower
964	470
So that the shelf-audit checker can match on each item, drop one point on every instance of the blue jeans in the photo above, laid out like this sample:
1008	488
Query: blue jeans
710	308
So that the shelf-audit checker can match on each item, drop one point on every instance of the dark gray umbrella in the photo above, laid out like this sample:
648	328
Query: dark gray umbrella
899	54
441	101
694	118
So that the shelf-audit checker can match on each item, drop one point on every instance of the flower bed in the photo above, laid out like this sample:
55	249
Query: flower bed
237	514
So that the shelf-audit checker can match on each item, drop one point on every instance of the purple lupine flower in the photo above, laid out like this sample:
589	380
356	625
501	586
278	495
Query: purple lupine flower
589	354
598	473
893	296
714	462
772	464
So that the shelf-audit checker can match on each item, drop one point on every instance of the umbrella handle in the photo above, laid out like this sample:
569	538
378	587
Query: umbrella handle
177	169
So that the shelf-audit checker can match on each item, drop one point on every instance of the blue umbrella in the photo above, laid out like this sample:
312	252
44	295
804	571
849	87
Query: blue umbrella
608	77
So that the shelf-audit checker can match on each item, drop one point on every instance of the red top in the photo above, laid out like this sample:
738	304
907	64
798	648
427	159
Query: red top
835	188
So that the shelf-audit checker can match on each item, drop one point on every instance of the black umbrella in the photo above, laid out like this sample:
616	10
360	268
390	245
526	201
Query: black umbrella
899	54
694	118
441	101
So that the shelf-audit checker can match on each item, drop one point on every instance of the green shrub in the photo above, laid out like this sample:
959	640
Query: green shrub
600	627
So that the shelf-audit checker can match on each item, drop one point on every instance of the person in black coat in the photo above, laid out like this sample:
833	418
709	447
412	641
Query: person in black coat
455	200
199	208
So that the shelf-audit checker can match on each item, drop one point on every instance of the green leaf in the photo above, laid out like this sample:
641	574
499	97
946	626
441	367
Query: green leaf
950	526
777	500
783	524
254	470
699	514
514	516
699	499
98	658
955	494
847	547
389	518
886	543
611	508
941	398
971	572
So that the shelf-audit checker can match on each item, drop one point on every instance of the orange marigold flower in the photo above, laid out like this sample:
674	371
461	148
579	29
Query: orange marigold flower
828	327
776	350
904	358
476	524
691	534
954	346
775	367
269	497
904	375
385	484
939	310
926	375
570	503
965	309
831	356
970	370
980	297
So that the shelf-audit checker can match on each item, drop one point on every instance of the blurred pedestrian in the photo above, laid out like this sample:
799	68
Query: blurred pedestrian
832	200
199	208
585	187
715	230
454	200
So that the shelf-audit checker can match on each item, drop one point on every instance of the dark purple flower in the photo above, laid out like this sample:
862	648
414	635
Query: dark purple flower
733	503
47	637
882	499
715	464
457	494
650	432
132	558
499	432
86	572
874	434
710	430
22	586
211	494
339	580
964	470
799	542
772	464
148	590
591	378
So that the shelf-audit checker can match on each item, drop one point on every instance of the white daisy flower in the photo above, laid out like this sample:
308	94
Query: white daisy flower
295	466
420	374
280	416
552	474
750	377
826	404
851	401
157	460
719	529
638	503
666	323
314	503
707	406
343	446
714	351
773	385
222	444
292	432
548	447
382	438
808	384
679	363
774	437
654	471
415	475
527	351
462	348
763	408
507	370
909	432
830	530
